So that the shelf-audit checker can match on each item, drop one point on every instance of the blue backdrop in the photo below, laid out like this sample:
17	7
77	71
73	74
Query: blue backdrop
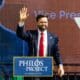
10	46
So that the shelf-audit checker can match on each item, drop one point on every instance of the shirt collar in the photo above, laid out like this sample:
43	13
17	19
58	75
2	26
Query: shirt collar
45	31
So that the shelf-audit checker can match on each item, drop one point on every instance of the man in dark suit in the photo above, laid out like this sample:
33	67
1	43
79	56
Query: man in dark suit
49	47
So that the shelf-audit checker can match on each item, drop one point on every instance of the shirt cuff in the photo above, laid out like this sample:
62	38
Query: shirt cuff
21	24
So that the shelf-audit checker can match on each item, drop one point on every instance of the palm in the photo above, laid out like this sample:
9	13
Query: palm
23	14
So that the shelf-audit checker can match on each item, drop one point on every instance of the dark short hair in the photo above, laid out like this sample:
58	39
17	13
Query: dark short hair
40	16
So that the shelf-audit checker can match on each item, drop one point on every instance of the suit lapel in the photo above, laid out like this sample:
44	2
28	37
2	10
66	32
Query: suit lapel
35	42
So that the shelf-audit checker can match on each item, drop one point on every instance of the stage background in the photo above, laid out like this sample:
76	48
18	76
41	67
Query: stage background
61	15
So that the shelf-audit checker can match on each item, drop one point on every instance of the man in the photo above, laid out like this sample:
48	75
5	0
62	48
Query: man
33	37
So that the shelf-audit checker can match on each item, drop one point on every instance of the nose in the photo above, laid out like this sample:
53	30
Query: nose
44	23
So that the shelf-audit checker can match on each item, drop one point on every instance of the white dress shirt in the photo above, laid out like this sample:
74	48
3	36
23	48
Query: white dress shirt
44	42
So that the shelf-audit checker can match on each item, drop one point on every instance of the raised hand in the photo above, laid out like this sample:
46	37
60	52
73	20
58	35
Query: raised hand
23	14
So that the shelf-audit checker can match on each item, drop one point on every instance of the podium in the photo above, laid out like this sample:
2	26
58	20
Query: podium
33	66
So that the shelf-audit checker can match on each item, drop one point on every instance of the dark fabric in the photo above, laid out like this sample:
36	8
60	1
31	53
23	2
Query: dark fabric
44	78
31	37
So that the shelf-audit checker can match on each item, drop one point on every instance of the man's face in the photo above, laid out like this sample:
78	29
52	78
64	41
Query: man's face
42	23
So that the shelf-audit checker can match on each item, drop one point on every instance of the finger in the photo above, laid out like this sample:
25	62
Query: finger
20	11
27	14
59	73
24	9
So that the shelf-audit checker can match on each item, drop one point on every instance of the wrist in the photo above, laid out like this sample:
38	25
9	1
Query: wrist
21	20
61	66
21	23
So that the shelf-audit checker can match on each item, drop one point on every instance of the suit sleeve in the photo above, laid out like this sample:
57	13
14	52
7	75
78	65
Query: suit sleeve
22	34
56	52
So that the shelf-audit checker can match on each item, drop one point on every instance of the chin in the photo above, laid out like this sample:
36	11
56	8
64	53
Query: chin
42	29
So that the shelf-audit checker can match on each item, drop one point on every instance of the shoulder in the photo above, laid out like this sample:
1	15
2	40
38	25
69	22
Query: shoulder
31	31
53	35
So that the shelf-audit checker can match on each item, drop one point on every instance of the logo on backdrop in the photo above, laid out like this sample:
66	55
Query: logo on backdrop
62	14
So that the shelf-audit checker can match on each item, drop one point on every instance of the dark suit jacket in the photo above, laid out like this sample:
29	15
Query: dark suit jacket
31	36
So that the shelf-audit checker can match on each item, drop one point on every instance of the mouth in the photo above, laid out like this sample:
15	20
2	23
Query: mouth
42	28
